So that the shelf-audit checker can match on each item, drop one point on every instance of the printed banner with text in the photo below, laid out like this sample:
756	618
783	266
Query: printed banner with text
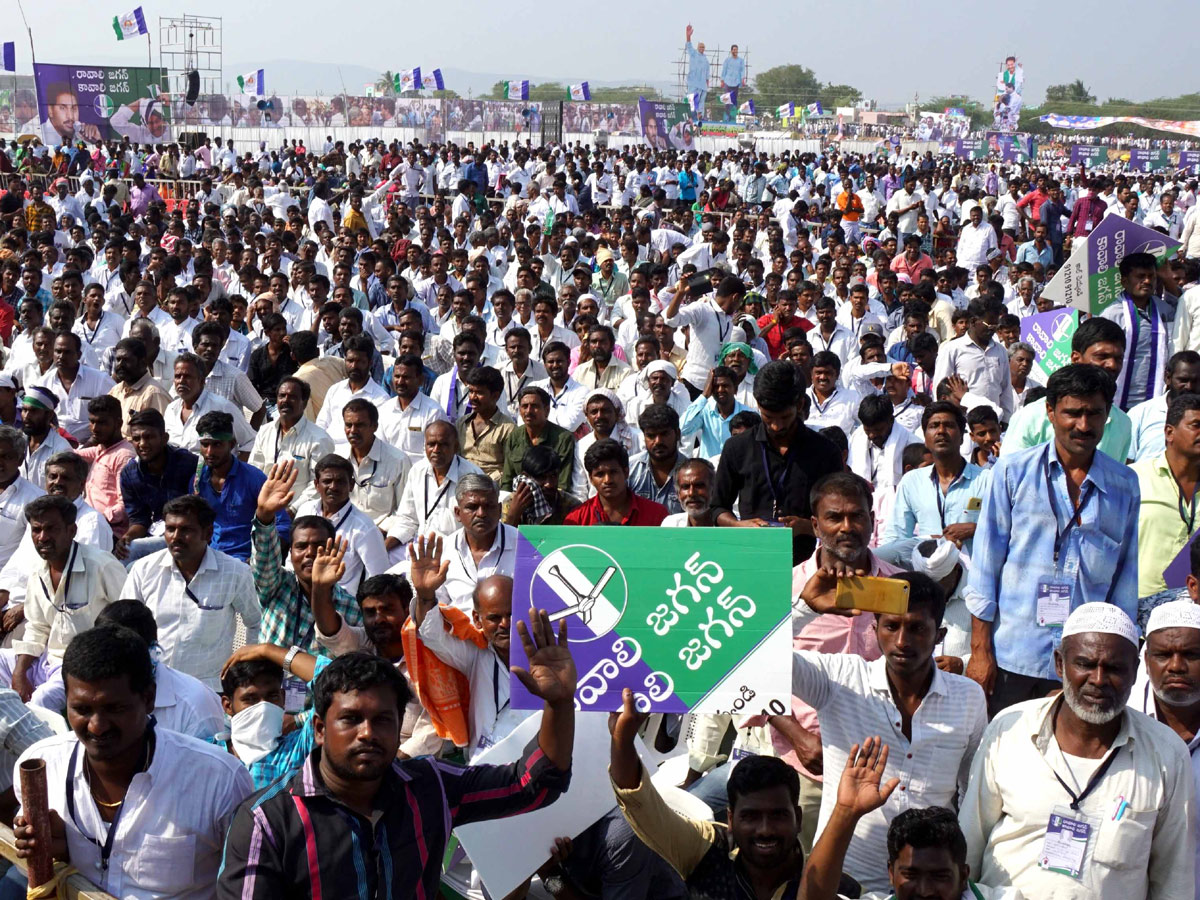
1050	334
690	620
101	103
666	126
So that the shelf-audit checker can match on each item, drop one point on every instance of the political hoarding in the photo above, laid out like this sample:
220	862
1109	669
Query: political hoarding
101	103
1050	334
1008	99
942	126
1089	280
697	621
666	125
1088	155
1010	147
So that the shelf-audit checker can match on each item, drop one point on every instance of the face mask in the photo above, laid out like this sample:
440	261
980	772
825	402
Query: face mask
255	731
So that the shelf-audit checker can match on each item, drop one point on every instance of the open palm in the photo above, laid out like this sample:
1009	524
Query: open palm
860	789
551	674
276	492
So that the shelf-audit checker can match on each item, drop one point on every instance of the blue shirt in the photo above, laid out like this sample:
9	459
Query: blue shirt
1014	550
1029	253
145	493
235	506
642	483
733	70
697	77
703	417
918	513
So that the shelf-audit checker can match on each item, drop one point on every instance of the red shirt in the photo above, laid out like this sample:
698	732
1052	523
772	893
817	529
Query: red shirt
641	512
1034	200
772	332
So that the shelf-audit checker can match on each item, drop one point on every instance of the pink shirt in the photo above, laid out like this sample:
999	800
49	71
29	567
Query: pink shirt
826	634
103	487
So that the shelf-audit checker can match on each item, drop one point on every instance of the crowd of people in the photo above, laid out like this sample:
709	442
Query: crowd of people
265	451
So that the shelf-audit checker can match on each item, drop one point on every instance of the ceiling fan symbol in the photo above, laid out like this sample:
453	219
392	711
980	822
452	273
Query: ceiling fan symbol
585	599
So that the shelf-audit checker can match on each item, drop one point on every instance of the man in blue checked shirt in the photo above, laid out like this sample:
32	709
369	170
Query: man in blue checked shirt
1059	528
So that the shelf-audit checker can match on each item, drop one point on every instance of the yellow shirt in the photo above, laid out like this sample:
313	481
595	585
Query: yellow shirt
1162	529
487	449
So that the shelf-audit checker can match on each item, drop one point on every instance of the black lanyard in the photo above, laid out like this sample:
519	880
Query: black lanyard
1061	533
471	559
1076	800
66	574
937	492
107	847
430	507
365	481
777	492
91	338
337	526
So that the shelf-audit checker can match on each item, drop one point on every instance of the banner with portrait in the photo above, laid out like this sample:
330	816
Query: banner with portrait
666	125
101	103
1008	100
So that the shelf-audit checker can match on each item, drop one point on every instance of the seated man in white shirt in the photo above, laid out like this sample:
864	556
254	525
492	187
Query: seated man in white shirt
365	554
380	469
70	585
195	592
174	797
428	500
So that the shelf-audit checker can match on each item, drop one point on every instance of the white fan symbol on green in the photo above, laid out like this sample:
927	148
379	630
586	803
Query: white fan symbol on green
104	105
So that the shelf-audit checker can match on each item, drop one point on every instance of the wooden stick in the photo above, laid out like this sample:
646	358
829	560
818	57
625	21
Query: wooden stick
36	809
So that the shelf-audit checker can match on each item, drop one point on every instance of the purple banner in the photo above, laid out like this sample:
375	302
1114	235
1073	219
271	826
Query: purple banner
101	103
1146	160
1189	159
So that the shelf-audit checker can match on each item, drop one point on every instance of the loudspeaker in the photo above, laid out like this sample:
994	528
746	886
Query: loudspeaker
193	87
190	140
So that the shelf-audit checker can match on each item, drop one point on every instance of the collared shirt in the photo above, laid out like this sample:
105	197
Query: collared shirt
427	505
378	481
320	375
535	373
641	512
34	466
1165	522
103	335
566	404
922	509
1142	699
612	376
196	619
464	574
145	493
173	821
405	428
840	408
72	405
234	385
145	393
102	490
185	704
303	444
840	342
184	434
1030	253
702	417
297	831
518	442
709	330
1014	788
90	529
287	618
985	370
21	727
642	482
330	417
1030	427
486	450
853	698
1146	422
366	555
53	615
1015	550
1146	352
234	506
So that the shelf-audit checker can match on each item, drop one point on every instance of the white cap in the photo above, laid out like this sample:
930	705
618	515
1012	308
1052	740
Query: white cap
938	562
1100	618
1176	614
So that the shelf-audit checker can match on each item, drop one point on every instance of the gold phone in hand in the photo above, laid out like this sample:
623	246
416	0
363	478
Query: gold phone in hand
870	594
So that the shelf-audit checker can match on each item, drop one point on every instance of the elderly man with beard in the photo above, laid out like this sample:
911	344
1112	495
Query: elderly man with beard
1076	795
694	483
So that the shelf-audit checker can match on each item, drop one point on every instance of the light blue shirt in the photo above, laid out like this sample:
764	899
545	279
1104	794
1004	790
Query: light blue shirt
1147	421
702	417
917	512
1014	550
733	70
697	77
1028	252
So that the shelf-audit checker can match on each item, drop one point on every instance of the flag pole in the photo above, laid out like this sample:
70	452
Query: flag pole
149	51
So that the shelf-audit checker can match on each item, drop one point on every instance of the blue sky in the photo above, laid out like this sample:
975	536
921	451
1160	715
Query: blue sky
890	49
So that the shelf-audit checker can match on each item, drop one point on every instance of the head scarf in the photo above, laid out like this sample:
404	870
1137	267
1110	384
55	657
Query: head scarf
744	349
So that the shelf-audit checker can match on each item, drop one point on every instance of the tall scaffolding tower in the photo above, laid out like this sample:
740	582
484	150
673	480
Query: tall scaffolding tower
716	58
190	43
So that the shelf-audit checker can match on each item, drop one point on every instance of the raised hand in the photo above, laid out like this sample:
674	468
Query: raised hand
330	564
427	571
551	675
860	790
276	492
625	724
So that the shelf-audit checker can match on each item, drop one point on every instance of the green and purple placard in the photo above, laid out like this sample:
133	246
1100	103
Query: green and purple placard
1049	334
689	618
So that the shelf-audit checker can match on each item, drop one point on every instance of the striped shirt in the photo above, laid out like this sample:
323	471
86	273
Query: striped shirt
295	839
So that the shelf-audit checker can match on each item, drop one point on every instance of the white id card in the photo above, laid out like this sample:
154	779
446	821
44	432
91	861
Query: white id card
1053	603
295	694
1066	841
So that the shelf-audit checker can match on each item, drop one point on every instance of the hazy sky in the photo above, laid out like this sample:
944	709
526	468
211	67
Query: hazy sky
889	49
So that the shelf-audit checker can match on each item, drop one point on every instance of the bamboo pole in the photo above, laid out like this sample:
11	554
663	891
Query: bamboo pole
36	808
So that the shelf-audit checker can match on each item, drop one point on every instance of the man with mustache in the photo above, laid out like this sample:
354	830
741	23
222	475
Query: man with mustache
694	483
1059	528
1077	795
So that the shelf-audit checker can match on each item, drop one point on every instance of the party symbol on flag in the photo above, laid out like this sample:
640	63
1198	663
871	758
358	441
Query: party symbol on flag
599	603
104	106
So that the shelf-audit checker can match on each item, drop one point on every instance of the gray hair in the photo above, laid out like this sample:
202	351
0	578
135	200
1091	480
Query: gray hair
523	294
1016	346
68	459
1025	278
475	484
144	323
15	438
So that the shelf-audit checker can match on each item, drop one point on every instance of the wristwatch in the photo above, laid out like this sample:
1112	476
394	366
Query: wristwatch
287	660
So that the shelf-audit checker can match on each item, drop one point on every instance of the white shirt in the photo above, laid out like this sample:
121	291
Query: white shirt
196	634
841	343
449	392
12	513
104	335
339	394
566	405
185	704
428	506
985	371
366	555
90	528
710	326
54	615
1013	789
173	822
557	333
72	405
34	467
1146	421
464	574
840	409
404	429
852	698
378	481
304	445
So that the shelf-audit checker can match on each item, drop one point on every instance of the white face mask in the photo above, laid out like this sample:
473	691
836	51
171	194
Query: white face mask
256	730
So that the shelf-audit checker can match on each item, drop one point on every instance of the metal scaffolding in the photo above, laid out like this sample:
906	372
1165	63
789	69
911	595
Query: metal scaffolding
191	43
716	58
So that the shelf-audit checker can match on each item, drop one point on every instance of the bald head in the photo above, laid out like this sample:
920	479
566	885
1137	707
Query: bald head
493	612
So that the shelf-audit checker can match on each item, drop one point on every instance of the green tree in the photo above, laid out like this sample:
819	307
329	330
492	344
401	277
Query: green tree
624	93
445	95
980	115
1075	92
835	95
385	85
782	84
